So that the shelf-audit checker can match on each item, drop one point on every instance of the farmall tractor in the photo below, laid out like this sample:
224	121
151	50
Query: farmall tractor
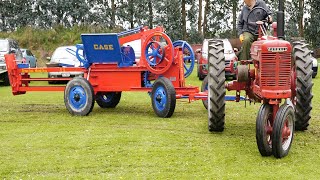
279	75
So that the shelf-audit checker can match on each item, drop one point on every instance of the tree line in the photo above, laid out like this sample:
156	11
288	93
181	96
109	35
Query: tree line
191	20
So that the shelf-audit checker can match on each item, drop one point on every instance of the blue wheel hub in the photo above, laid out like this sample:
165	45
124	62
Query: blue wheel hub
77	97
160	98
107	97
156	55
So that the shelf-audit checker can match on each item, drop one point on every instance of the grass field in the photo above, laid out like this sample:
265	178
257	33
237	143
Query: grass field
41	140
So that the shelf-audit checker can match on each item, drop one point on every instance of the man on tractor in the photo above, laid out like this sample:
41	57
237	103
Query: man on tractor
247	27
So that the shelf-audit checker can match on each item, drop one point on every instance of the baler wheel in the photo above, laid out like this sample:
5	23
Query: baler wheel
303	91
108	99
163	97
204	87
264	130
79	97
188	56
283	130
216	84
158	52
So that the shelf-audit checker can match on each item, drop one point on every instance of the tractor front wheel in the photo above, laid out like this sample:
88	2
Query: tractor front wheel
264	130
108	99
79	97
283	130
163	97
216	86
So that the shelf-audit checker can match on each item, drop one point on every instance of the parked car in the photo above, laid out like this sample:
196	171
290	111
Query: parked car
64	56
8	46
29	57
314	65
202	59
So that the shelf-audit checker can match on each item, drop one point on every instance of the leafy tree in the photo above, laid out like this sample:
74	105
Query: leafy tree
205	18
168	14
183	19
234	6
313	24
194	36
200	17
218	20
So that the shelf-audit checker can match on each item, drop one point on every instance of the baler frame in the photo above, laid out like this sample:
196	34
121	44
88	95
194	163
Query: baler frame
106	78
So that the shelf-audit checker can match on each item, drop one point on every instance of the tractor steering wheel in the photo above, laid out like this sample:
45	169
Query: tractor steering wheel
258	14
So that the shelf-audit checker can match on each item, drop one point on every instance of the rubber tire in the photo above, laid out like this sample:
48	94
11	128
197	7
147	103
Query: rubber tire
105	103
285	111
264	114
170	93
88	106
51	82
204	86
304	84
6	80
216	84
201	77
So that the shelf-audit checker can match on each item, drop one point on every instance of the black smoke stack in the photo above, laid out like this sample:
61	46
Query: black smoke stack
280	20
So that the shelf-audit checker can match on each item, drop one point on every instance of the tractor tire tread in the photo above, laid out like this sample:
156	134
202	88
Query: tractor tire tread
216	86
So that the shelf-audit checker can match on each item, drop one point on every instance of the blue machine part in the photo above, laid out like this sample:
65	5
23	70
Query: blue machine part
190	57
82	59
128	56
233	98
130	31
65	65
104	48
74	53
146	82
101	48
23	65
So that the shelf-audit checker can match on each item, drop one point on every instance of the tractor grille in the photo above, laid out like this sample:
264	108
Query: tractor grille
275	69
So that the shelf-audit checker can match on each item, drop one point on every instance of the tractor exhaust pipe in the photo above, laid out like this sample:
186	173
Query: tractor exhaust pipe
280	20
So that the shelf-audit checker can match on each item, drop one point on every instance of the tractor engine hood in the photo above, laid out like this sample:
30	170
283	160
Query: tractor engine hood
269	46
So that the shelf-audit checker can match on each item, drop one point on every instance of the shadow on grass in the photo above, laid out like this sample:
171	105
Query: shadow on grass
43	108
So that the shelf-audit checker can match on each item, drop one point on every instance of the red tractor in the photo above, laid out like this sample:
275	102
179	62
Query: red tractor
279	76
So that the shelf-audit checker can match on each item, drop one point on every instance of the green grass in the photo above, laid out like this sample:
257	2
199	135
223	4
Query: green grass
41	140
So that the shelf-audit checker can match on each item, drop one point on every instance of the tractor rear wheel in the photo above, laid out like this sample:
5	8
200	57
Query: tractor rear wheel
204	88
283	130
216	86
163	97
108	99
303	64
264	130
79	97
